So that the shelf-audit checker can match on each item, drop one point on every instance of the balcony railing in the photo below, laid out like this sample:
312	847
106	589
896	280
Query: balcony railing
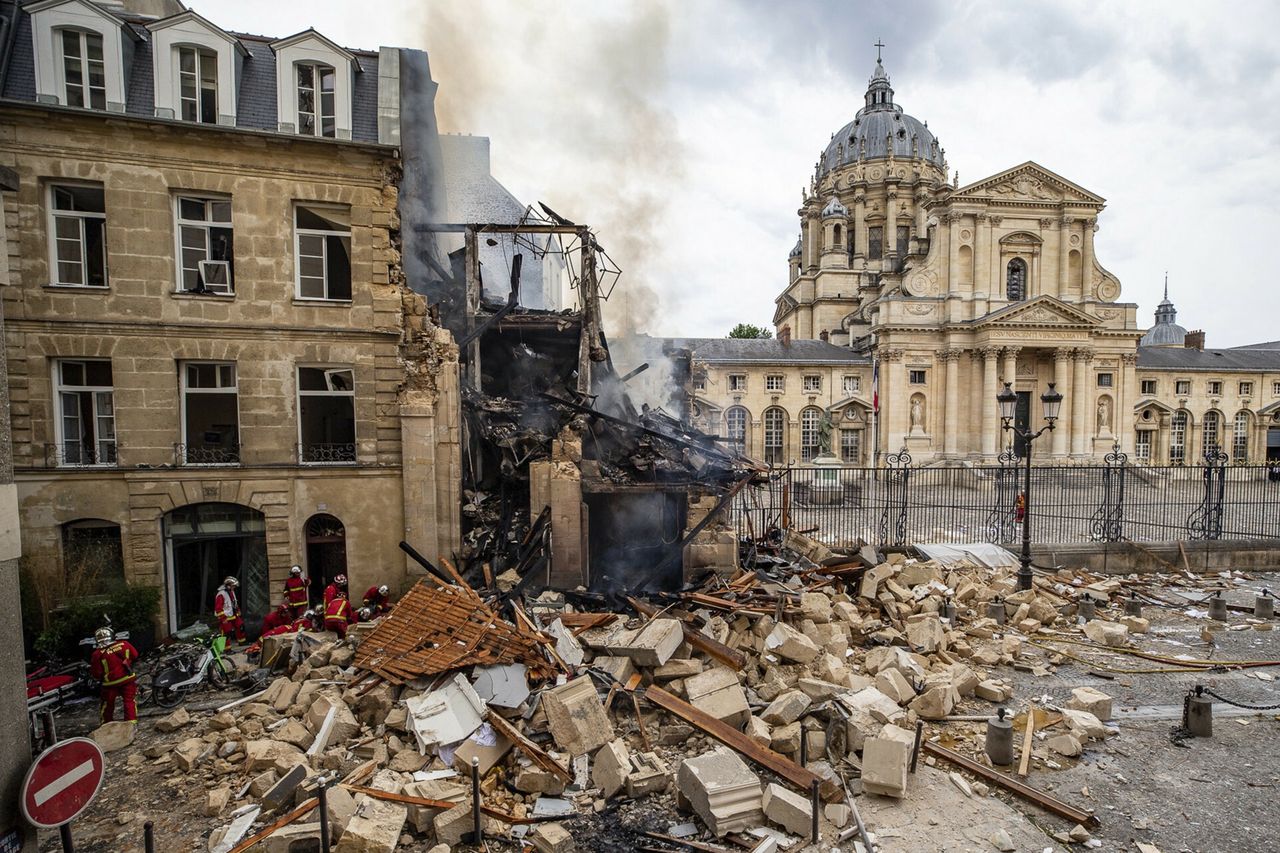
70	454
223	454
326	454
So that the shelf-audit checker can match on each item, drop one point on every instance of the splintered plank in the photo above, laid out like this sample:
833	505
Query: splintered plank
536	754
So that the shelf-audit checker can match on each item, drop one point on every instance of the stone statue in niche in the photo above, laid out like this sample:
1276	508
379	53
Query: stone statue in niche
917	414
1104	415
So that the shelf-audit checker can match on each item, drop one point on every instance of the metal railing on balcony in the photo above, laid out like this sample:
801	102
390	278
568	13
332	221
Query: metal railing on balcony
71	454
205	454
326	454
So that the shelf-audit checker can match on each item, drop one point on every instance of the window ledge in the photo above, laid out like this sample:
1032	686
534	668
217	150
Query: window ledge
187	294
77	288
322	303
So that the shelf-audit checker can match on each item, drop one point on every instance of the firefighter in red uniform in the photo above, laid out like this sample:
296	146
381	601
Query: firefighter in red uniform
112	665
295	591
281	617
338	615
378	600
339	585
305	622
227	608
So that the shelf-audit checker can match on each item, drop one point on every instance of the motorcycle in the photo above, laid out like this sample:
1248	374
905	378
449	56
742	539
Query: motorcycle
188	666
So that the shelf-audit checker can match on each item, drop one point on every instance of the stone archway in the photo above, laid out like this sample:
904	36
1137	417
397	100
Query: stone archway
205	543
326	552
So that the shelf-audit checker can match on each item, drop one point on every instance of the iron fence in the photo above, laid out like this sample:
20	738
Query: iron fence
901	503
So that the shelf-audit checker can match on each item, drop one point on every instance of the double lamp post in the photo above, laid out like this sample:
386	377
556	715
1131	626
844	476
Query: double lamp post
1008	400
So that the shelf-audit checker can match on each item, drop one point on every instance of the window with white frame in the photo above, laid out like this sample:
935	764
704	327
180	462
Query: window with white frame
205	244
812	383
774	382
1245	389
1178	437
210	413
86	423
1240	437
1215	388
1149	386
810	423
84	71
78	235
700	383
198	84
326	414
1210	433
851	385
1182	387
324	251
735	427
737	382
316	99
851	445
1142	446
775	430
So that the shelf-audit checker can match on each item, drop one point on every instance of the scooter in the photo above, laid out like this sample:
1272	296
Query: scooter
187	667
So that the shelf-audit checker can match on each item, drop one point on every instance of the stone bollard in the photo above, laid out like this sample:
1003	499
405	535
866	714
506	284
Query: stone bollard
1133	607
995	610
1200	714
1218	608
1000	739
1264	606
1087	608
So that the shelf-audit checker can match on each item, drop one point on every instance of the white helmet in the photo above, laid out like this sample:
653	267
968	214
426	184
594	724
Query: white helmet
384	589
103	637
230	581
295	570
310	614
340	580
365	614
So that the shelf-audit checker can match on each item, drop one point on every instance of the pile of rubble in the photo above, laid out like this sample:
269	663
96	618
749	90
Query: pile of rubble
761	704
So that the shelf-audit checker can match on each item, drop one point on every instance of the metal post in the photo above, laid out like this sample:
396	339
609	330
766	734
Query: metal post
148	837
915	749
64	831
814	804
475	798
323	805
1024	570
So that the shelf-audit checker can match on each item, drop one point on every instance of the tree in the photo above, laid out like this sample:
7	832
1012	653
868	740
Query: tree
747	330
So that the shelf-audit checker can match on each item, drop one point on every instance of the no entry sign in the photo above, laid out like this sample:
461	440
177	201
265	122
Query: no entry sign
62	782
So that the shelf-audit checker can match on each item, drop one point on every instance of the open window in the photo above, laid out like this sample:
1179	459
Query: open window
86	422
326	415
210	414
77	235
316	92
198	84
196	67
206	245
323	252
314	78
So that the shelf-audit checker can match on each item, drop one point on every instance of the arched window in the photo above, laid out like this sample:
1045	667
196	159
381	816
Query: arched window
1178	438
1211	434
810	419
1015	287
1240	437
735	427
775	432
838	238
92	557
326	551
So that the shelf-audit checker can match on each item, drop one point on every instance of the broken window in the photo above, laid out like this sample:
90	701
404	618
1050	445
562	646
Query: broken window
775	428
326	415
198	84
851	445
1182	387
812	383
78	216
206	245
774	382
86	413
324	252
1215	388
83	70
316	99
851	385
210	414
737	382
810	419
92	557
735	428
875	243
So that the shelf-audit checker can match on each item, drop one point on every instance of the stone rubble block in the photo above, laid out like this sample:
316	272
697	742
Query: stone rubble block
721	789
1106	633
718	692
610	767
885	762
787	708
1094	701
788	809
576	717
789	644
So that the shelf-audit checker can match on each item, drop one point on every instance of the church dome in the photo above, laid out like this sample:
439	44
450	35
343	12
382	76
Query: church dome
879	126
1166	332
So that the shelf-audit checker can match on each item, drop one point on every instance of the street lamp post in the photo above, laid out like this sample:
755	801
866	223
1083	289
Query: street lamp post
1008	400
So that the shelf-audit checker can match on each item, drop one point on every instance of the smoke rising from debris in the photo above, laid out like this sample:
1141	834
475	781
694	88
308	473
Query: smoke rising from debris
573	101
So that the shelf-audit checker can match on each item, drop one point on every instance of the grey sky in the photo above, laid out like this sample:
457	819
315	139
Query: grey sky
685	130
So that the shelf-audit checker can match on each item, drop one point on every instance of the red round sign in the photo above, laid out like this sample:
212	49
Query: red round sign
62	782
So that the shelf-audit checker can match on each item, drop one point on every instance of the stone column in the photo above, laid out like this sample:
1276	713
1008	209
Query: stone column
1080	404
891	225
982	253
951	415
995	283
952	221
1124	422
1064	257
813	244
922	227
1010	372
894	403
1062	384
859	233
990	419
1086	260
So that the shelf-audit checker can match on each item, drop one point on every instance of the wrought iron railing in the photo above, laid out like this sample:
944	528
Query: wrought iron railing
69	454
205	454
326	454
1108	501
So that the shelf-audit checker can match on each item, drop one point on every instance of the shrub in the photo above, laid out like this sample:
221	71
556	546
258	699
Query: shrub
130	608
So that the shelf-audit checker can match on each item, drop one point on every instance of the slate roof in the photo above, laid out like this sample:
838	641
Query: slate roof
767	351
1264	345
1252	359
255	102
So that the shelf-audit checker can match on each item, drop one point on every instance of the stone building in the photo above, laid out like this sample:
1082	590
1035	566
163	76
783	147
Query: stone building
216	367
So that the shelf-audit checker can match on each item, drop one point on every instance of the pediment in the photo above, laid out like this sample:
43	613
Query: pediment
860	408
1041	311
312	38
192	18
1029	182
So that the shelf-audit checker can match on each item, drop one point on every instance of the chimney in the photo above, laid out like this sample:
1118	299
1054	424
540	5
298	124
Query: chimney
784	336
1195	340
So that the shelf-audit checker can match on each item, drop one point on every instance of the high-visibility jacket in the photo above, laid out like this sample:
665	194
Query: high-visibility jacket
302	623
225	605
376	600
295	590
330	592
281	617
114	664
339	611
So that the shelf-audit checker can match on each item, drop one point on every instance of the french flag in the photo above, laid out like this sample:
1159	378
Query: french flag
875	387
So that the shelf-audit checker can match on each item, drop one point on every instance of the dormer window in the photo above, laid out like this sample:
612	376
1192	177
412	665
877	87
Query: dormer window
198	84
83	70
316	99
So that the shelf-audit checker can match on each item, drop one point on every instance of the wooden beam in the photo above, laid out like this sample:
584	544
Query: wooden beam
289	818
528	747
405	799
731	658
1024	761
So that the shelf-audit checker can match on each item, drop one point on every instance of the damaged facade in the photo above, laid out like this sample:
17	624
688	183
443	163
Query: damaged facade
215	364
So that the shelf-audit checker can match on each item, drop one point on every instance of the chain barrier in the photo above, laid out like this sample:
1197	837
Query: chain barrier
1227	701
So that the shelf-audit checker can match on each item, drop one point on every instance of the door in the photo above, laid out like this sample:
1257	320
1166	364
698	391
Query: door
205	543
1021	420
326	553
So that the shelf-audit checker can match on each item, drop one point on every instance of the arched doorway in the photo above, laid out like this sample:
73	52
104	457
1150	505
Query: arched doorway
205	543
326	552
